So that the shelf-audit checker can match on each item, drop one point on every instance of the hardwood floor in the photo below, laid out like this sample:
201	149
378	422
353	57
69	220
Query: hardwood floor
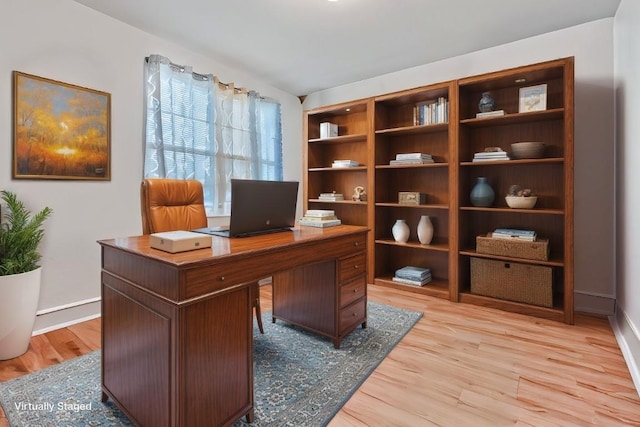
461	365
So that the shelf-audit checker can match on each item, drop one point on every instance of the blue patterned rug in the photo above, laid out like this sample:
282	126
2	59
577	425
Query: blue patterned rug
300	379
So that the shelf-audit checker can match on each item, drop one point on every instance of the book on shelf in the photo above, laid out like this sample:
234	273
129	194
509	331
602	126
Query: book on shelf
413	273
411	162
490	114
333	197
431	112
319	223
319	213
413	156
484	156
513	233
410	282
344	164
315	218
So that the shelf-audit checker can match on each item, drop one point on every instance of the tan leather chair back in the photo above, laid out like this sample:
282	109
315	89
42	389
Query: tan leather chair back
171	204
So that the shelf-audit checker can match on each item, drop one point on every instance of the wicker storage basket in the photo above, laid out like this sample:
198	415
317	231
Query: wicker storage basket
538	250
530	284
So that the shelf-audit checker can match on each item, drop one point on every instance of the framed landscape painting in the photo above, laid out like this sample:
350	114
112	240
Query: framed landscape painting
60	131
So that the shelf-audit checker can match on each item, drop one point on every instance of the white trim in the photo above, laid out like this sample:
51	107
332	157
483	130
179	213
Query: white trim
65	324
594	303
625	347
68	314
67	306
595	294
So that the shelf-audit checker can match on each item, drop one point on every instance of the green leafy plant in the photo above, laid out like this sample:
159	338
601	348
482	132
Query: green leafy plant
20	236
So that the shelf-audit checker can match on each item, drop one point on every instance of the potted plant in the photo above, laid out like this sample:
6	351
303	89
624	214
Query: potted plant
20	274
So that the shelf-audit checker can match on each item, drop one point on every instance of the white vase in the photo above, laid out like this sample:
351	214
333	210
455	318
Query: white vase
425	230
18	306
400	231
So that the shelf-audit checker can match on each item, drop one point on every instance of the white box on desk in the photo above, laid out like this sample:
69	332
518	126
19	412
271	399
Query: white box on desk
179	241
328	130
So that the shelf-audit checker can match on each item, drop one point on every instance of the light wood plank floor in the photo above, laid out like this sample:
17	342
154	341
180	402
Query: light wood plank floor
461	365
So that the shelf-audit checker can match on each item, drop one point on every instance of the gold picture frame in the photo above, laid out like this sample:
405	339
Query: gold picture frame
533	98
60	130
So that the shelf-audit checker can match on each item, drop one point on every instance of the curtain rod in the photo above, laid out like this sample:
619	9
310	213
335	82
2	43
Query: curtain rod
206	77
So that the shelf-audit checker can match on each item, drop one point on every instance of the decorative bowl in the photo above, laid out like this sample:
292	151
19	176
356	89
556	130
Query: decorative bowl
527	150
517	202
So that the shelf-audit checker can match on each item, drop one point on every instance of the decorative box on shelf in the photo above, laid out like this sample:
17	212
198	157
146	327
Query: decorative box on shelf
513	281
516	248
411	198
328	130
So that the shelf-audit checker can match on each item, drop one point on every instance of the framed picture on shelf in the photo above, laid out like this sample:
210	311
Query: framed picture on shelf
533	98
60	131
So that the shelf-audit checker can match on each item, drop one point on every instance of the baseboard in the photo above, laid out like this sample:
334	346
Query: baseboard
69	314
628	338
594	303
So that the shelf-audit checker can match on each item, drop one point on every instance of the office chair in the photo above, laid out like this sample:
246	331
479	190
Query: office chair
176	204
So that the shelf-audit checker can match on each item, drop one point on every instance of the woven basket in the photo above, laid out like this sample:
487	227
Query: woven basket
530	284
538	250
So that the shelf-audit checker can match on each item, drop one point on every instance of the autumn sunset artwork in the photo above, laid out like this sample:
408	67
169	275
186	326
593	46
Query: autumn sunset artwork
61	131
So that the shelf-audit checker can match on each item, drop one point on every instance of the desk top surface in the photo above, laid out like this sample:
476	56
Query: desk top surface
223	247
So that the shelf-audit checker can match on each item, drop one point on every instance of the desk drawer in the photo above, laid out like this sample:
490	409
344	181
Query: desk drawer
353	314
352	266
352	291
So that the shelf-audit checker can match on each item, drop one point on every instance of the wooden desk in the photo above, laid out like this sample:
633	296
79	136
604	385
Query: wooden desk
177	343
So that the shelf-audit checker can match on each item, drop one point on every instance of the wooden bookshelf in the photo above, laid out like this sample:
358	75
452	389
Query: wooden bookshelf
373	131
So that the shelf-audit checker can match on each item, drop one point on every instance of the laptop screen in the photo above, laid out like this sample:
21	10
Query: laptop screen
259	207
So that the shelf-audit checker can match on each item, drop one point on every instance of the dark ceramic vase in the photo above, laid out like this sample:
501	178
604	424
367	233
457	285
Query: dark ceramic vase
482	194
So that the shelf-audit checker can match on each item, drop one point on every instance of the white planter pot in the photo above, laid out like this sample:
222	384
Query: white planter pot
19	294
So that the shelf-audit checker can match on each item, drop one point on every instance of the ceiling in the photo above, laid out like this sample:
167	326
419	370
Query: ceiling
302	46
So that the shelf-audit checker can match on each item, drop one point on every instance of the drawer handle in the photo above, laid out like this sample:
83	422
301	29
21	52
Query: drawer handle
355	314
355	291
357	243
222	278
356	266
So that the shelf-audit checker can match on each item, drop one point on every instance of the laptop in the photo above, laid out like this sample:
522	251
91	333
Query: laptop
259	207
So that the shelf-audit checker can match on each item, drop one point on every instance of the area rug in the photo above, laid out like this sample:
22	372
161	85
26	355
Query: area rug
300	379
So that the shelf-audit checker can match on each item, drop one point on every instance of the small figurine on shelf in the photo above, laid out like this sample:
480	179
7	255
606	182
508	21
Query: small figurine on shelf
487	103
359	194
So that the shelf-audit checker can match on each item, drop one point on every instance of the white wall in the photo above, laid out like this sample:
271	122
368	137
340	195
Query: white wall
627	70
62	40
592	46
65	41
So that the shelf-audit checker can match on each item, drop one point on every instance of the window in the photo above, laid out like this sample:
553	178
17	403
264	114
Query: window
198	128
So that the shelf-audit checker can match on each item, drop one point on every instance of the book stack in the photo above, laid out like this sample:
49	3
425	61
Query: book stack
485	156
320	218
490	114
431	112
514	233
412	159
410	275
331	197
344	164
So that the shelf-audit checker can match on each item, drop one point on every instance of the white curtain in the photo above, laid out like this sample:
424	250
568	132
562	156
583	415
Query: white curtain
198	128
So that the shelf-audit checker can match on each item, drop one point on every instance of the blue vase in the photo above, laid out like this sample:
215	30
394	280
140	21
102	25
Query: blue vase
482	194
487	103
